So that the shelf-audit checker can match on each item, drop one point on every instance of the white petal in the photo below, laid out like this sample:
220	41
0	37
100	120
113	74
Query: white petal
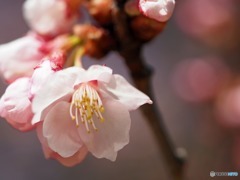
112	134
57	86
128	95
100	73
95	72
49	153
42	114
60	131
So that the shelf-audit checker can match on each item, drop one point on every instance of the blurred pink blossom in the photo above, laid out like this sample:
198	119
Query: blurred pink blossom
87	108
49	17
211	21
228	107
199	79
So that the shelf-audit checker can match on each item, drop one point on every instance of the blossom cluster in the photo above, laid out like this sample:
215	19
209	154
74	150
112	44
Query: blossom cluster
73	110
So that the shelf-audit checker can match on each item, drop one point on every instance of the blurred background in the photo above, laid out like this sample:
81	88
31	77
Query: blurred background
197	88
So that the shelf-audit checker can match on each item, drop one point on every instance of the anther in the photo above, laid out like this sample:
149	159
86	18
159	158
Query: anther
86	103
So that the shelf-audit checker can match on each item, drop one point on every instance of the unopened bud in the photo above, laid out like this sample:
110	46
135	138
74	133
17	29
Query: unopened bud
101	10
160	10
131	8
146	29
97	41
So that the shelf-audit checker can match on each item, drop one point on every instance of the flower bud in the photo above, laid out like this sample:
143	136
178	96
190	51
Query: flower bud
97	41
131	8
160	10
146	29
101	10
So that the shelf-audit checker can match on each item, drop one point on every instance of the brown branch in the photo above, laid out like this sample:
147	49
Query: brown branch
130	49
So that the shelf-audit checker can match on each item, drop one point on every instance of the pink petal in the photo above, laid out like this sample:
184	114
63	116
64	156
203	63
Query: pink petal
46	150
58	85
73	160
61	132
40	76
48	17
112	134
160	10
128	95
70	161
18	58
15	106
24	127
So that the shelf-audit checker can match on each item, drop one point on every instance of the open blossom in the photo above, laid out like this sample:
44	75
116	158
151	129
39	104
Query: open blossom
160	10
49	17
19	57
89	108
16	105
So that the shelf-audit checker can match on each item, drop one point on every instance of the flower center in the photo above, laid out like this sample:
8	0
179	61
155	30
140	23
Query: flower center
85	104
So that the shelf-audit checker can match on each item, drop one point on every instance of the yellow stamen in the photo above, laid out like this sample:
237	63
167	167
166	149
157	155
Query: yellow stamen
86	103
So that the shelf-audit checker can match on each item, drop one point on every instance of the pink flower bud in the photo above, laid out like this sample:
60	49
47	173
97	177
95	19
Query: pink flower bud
160	10
19	57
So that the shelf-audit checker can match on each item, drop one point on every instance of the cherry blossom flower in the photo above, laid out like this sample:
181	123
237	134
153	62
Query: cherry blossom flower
86	107
160	10
49	17
16	105
19	57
